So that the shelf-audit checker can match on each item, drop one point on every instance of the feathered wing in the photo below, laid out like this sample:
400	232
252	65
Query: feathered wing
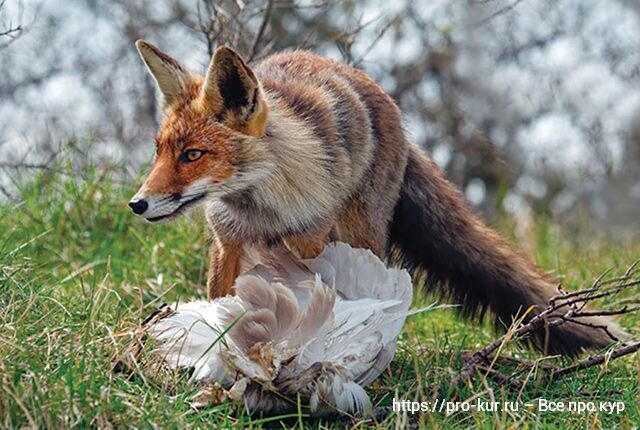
271	312
276	264
370	311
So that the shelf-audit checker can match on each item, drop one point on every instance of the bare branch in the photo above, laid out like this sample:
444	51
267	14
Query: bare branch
263	26
11	31
375	41
24	166
595	361
573	304
499	12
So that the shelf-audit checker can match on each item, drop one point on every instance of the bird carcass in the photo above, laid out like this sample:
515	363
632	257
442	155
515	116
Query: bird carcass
318	330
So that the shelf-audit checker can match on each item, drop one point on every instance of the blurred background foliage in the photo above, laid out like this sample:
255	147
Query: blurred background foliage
532	107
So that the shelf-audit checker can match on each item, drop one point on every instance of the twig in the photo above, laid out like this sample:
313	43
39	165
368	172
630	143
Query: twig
499	12
566	307
504	380
484	355
595	361
24	166
261	29
9	31
375	41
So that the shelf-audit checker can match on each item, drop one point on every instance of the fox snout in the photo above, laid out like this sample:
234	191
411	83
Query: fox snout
155	207
163	208
138	206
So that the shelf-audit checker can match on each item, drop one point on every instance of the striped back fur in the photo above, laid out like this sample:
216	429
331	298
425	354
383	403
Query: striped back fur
303	150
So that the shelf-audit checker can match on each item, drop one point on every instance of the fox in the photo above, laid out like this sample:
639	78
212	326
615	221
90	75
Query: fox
299	150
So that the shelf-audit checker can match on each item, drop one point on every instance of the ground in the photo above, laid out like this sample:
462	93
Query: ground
78	270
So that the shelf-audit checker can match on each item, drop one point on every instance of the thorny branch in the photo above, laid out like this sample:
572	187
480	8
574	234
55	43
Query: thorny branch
566	307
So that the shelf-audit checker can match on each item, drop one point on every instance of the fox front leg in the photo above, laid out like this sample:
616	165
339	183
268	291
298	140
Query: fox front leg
224	267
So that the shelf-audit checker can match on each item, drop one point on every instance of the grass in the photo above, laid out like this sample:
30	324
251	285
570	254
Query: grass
77	269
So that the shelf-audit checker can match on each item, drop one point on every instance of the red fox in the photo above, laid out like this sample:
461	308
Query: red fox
302	150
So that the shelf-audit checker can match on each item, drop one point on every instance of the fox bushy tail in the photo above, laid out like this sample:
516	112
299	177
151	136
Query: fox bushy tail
435	235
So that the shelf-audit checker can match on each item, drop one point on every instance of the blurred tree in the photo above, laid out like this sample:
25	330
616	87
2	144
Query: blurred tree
527	105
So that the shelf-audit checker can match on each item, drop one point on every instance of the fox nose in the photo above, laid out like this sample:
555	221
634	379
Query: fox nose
138	206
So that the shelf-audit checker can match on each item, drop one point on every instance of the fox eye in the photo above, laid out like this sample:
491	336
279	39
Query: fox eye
191	155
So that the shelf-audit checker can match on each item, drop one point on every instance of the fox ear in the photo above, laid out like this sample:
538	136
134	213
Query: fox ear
232	92
170	76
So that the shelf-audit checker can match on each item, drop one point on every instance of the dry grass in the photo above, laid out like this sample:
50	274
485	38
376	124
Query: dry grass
77	270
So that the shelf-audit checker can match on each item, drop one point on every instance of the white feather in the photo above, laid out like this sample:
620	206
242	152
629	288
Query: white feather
323	329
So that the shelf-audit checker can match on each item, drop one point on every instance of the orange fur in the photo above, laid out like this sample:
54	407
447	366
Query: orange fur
301	150
308	245
224	267
183	130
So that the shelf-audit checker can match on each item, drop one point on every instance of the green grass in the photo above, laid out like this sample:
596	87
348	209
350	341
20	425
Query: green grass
77	270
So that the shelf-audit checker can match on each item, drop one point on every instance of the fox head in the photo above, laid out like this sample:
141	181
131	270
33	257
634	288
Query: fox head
207	144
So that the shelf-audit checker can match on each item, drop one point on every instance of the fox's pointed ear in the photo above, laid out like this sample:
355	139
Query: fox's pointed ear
170	76
232	92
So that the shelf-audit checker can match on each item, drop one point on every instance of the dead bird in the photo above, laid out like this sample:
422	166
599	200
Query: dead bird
319	330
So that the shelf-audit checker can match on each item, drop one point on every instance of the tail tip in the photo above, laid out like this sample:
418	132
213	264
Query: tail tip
589	333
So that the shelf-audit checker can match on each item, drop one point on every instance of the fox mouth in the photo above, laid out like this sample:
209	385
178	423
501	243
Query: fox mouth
179	210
